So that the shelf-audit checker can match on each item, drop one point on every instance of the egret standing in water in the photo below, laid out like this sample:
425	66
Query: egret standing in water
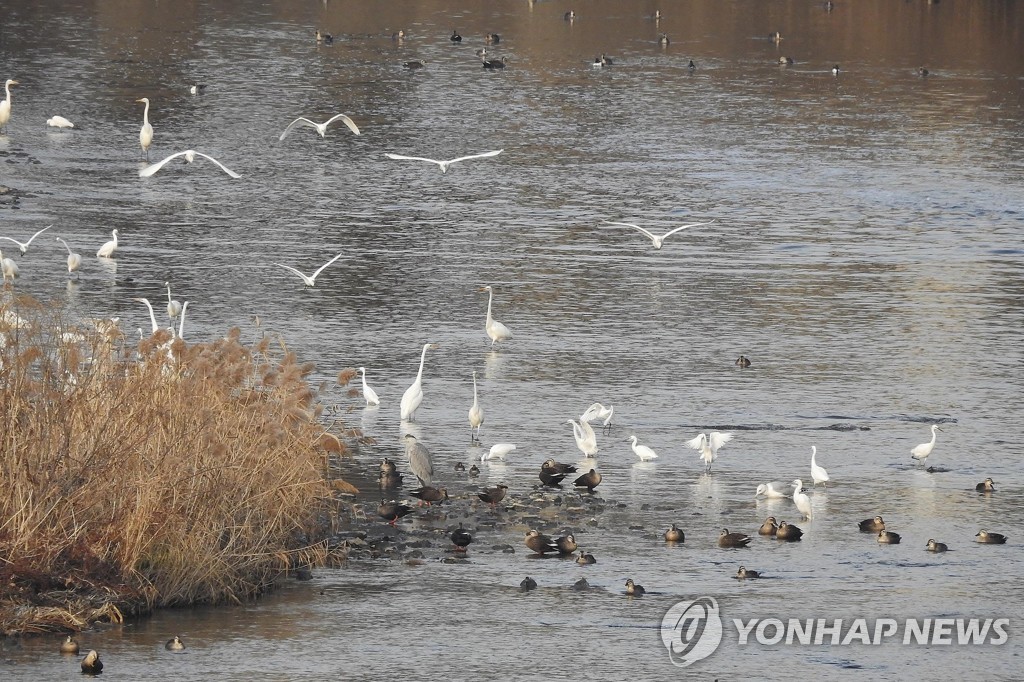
818	474
655	239
801	499
146	133
59	122
708	446
413	395
321	128
173	307
5	105
369	395
108	248
74	259
495	330
586	439
642	451
476	415
8	267
921	452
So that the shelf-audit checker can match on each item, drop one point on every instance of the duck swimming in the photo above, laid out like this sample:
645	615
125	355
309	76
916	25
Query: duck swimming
727	539
872	525
69	646
566	544
91	664
585	559
741	361
175	644
769	527
744	573
986	486
674	534
936	546
788	532
540	543
633	589
987	538
528	584
886	537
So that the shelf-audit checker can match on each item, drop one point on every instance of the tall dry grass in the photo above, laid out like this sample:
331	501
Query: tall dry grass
150	474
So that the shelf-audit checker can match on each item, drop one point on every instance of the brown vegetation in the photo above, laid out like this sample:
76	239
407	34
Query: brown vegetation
165	474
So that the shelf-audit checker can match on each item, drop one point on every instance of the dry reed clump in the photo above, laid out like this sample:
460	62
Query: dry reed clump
165	475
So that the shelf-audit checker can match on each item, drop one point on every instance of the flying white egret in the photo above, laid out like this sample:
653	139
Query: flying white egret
59	122
818	473
772	490
801	499
495	330
598	411
655	239
173	307
108	248
8	267
921	452
413	395
74	259
321	128
24	247
310	280
476	415
708	446
146	132
443	164
642	451
5	105
586	439
369	394
498	451
190	156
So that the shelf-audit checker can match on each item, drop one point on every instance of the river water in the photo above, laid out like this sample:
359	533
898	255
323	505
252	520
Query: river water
867	255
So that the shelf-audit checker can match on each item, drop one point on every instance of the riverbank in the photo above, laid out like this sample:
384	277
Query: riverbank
153	474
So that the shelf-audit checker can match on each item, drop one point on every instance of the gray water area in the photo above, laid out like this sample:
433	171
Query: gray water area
866	254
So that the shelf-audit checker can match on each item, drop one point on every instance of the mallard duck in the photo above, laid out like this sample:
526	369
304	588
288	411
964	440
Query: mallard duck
788	532
175	644
634	589
986	486
69	646
585	558
493	496
92	664
540	543
936	546
430	494
886	537
743	574
392	511
727	539
674	534
461	538
589	480
769	527
528	584
872	525
566	544
987	538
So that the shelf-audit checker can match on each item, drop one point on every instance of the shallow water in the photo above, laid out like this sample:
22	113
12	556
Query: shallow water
866	255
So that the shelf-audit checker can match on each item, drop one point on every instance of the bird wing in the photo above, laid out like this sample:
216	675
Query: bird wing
346	120
288	267
475	156
592	412
321	268
683	227
298	121
38	233
153	168
221	165
717	439
400	157
696	443
650	235
11	239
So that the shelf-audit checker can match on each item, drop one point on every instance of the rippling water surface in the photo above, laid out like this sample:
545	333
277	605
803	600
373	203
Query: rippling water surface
866	254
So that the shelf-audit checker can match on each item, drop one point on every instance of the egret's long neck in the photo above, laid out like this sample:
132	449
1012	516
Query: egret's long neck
114	235
168	292
474	387
181	322
152	317
490	298
423	358
933	435
145	114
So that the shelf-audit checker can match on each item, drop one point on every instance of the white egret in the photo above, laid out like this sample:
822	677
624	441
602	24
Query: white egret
74	259
24	247
152	315
443	164
321	128
476	415
498	451
146	132
921	452
586	439
801	499
655	239
369	394
599	411
181	320
772	490
413	395
59	122
419	459
708	446
818	473
310	280
5	105
8	267
642	451
108	248
190	156
173	307
495	330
